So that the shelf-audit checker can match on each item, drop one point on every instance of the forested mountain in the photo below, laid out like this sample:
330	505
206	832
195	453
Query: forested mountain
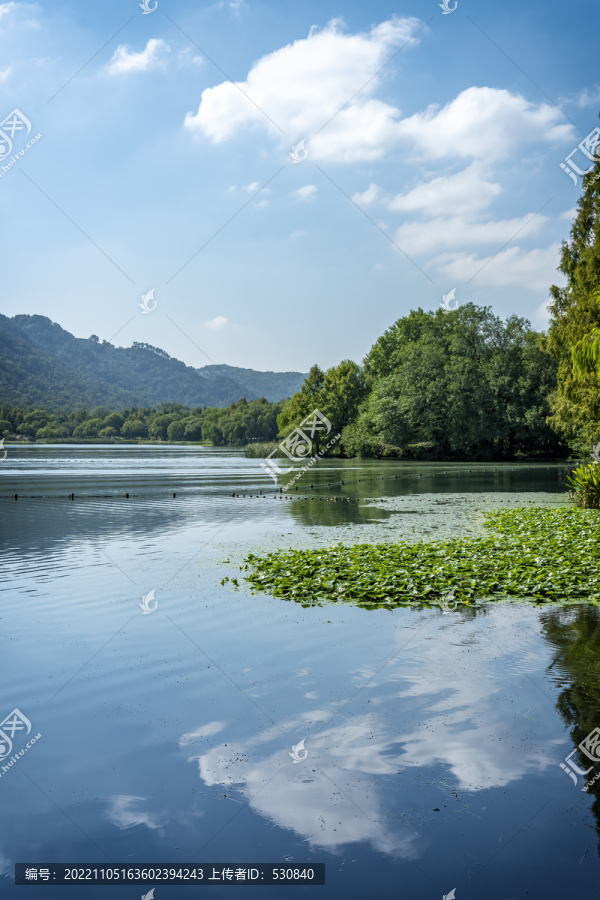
42	364
272	385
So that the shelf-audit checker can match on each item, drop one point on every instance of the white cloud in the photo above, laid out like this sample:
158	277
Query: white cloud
6	8
369	196
588	97
305	84
305	193
483	123
456	231
300	233
261	204
186	58
122	814
203	731
541	317
298	799
453	195
218	322
533	269
4	74
569	214
149	58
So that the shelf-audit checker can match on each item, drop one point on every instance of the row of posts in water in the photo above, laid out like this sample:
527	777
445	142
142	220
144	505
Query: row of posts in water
311	487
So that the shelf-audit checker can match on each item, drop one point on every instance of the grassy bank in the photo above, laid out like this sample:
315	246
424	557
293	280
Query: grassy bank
535	554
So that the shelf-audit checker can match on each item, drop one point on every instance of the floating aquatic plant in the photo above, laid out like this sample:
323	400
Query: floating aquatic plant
537	554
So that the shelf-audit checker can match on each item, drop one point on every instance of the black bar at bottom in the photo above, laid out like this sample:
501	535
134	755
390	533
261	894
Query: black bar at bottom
167	873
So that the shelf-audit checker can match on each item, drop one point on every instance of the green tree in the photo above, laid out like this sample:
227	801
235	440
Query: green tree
176	430
455	385
303	402
572	337
114	420
336	393
134	427
160	425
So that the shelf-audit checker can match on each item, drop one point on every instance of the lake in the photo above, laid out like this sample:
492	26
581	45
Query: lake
412	751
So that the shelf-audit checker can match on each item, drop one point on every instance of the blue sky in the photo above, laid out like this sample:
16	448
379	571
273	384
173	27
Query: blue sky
451	152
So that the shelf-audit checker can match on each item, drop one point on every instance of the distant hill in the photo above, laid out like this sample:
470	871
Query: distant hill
42	364
272	385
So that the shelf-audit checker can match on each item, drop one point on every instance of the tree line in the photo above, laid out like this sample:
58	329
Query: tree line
237	424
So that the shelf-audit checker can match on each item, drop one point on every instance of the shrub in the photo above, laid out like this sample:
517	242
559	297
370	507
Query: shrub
584	485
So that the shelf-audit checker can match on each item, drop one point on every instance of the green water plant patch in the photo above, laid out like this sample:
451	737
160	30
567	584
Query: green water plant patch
537	554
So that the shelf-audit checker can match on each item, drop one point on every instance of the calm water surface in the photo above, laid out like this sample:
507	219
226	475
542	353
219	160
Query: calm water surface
433	740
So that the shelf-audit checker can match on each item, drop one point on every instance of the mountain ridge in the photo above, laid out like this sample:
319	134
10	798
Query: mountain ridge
42	363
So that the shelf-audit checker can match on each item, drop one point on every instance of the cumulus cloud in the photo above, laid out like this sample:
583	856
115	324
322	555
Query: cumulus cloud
6	8
465	192
531	269
4	74
372	194
302	86
483	123
217	322
305	193
458	231
125	60
588	97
